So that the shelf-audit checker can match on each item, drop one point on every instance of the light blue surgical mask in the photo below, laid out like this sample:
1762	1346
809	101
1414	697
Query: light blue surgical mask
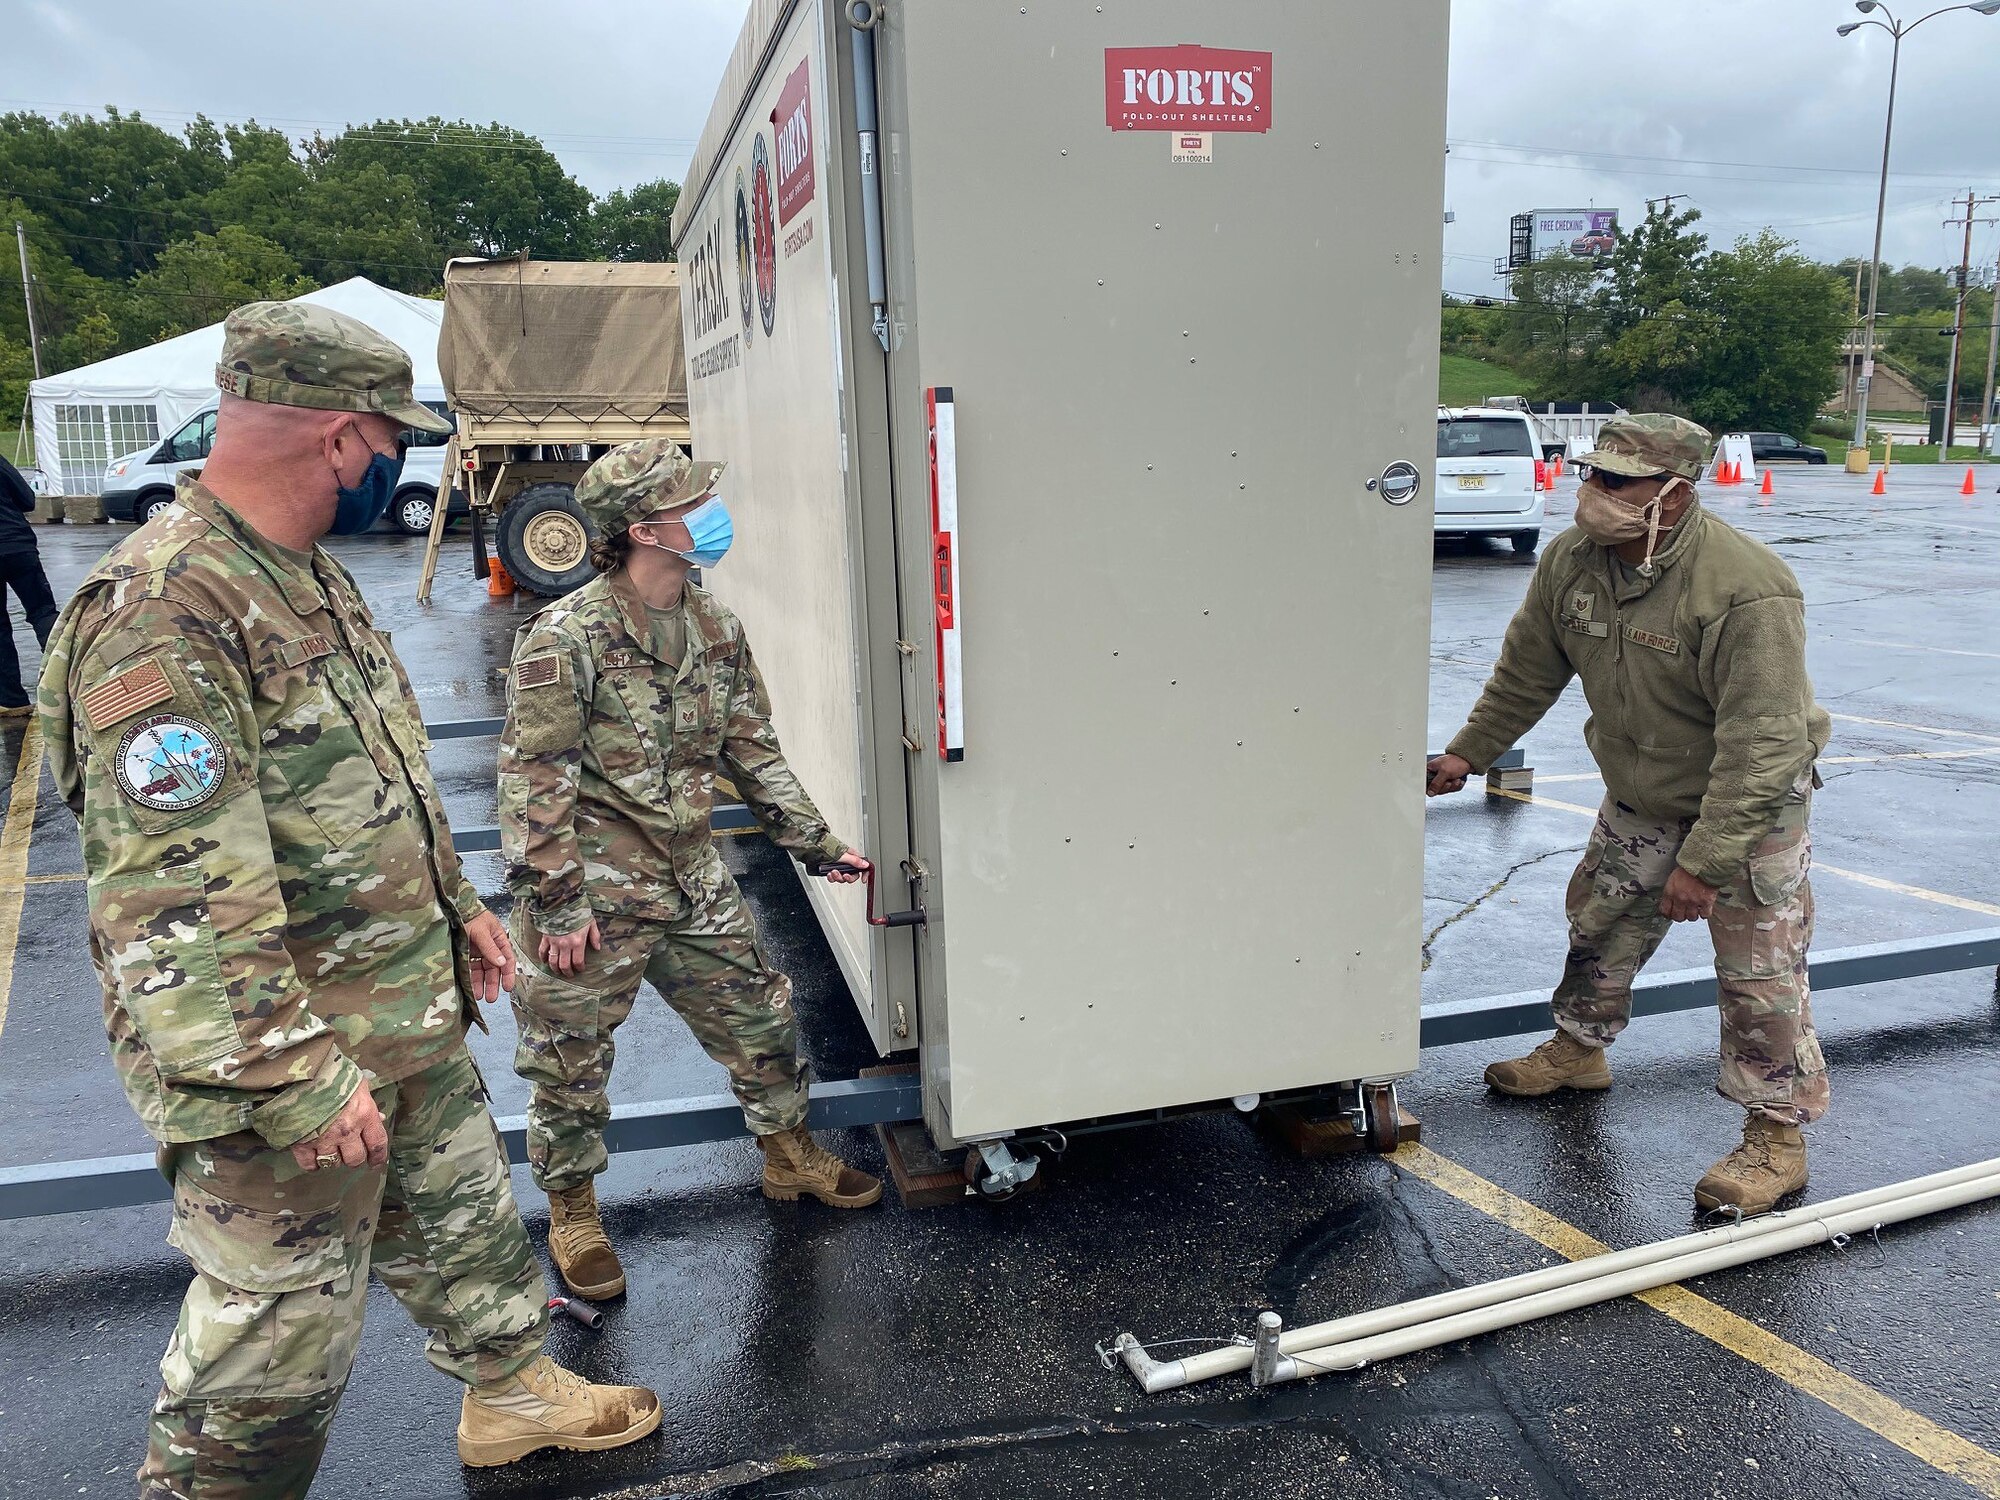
359	506
710	529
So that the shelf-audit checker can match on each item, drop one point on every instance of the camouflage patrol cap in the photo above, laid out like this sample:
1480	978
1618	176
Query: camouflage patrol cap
637	480
1651	443
296	354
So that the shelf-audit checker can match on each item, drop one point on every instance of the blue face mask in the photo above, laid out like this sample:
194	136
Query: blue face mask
359	507
711	530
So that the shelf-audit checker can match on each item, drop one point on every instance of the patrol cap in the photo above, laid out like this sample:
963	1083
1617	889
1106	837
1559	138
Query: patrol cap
1651	443
296	354
637	480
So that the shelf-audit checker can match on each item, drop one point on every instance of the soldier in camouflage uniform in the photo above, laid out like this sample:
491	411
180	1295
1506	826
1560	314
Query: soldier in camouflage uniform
289	952
624	699
1689	638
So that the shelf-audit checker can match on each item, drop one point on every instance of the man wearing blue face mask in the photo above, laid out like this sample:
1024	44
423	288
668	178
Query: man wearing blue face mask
624	700
289	951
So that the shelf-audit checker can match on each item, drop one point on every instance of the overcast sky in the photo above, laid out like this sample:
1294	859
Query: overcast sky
1553	103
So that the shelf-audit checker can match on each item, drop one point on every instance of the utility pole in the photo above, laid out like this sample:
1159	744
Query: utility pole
28	298
1666	203
1993	357
1973	203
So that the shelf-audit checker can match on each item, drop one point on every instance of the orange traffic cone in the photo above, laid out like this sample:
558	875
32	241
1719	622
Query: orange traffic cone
499	582
1880	487
1968	488
1765	487
1559	466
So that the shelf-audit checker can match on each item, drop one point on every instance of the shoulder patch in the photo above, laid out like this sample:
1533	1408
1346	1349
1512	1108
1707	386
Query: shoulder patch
544	670
117	698
170	763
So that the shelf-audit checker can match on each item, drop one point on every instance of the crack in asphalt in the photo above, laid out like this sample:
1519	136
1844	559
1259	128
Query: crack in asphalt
1489	893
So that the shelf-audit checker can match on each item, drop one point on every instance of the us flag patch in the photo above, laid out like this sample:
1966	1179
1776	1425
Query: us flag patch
118	698
539	671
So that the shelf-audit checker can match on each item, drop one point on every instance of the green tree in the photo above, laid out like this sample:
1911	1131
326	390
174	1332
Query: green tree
114	191
482	189
1777	322
634	225
1652	327
1555	322
198	281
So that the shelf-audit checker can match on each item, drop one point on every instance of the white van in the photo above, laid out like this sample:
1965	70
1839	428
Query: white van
1491	477
140	485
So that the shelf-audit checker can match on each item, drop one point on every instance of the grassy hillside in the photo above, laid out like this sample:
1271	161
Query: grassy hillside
1464	381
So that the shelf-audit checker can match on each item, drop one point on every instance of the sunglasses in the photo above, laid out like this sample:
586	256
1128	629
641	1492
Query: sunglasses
1605	479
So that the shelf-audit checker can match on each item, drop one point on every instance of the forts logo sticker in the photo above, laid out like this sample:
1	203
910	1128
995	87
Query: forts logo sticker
792	120
1187	88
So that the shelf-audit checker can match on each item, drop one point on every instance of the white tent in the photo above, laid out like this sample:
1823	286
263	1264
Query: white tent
86	417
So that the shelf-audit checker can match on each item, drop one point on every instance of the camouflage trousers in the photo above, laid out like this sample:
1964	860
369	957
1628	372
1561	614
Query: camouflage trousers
709	968
270	1325
1762	926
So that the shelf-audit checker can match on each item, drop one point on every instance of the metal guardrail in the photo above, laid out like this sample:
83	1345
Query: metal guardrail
72	1187
64	1187
727	817
42	1189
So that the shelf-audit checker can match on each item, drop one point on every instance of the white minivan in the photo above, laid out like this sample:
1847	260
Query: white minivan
140	485
1491	478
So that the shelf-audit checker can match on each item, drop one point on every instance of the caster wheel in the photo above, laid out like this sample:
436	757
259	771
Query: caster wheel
1382	1118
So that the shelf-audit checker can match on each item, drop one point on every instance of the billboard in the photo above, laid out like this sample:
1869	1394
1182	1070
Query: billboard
1584	233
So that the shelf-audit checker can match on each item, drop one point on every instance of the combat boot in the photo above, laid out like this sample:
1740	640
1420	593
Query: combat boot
795	1163
1562	1062
546	1406
580	1248
1770	1163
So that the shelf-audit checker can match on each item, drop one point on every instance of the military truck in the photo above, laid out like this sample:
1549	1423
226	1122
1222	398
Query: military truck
546	365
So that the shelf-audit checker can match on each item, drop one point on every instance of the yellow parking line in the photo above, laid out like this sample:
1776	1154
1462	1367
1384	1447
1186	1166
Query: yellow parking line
1940	1447
14	854
1855	640
1941	898
1952	734
1828	760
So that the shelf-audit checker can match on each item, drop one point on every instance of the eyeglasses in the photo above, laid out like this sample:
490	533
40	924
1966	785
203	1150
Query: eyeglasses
1605	479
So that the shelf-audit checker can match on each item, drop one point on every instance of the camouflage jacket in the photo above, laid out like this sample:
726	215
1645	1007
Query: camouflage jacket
274	900
609	758
1700	706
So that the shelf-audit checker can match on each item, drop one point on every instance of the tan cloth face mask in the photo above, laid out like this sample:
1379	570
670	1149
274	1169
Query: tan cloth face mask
1609	519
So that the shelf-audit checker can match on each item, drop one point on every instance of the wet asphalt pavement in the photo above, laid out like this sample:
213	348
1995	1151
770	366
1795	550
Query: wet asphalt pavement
950	1352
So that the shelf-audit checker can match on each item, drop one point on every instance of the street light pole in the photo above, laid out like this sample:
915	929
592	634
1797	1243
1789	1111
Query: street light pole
1866	377
1897	31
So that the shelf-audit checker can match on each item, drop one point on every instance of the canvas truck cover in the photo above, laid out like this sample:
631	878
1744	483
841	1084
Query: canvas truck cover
540	341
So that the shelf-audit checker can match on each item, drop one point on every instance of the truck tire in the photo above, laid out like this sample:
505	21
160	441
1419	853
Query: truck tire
152	503
544	540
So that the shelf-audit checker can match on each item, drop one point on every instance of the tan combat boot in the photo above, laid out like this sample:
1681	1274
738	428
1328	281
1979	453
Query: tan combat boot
1770	1163
795	1163
546	1406
581	1250
1562	1062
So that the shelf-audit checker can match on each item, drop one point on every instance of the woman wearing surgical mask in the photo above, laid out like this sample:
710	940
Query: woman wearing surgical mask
623	700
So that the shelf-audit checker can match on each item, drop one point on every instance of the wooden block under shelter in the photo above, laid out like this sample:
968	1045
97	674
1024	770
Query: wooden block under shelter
1312	1134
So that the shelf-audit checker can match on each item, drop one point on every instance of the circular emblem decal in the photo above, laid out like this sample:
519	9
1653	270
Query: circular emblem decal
169	762
743	293
766	233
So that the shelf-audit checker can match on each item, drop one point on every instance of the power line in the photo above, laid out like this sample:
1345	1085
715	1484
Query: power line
1698	161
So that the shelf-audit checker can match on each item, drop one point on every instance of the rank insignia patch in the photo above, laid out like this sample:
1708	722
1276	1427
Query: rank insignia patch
118	698
170	763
